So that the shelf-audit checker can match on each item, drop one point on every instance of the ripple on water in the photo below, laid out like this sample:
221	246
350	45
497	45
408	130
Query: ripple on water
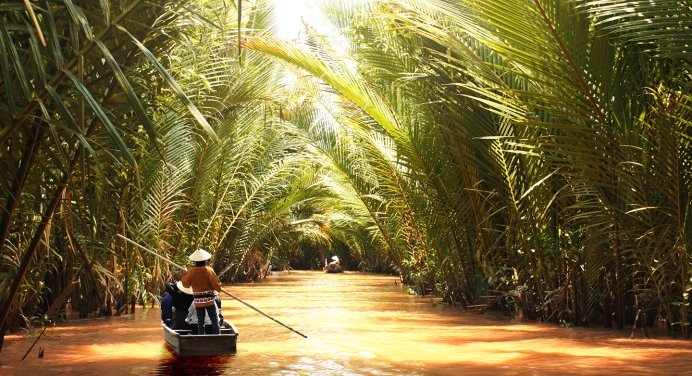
357	324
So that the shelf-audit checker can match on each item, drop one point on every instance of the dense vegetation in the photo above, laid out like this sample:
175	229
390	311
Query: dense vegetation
534	155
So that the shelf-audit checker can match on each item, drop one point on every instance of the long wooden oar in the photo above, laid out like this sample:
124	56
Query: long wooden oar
227	293
39	337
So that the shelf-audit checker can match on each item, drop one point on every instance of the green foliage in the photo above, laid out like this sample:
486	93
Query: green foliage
542	158
554	143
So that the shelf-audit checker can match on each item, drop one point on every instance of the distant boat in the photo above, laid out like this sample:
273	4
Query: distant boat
333	268
186	343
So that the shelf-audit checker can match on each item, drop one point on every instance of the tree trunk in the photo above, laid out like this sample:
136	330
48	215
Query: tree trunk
3	329
60	301
18	185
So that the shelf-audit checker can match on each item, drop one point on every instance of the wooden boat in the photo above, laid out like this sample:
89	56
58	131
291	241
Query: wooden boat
333	268
186	343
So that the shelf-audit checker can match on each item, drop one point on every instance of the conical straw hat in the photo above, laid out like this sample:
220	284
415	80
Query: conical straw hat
187	290
200	255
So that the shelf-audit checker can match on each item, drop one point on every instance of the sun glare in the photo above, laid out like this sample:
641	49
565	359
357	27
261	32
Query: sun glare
289	13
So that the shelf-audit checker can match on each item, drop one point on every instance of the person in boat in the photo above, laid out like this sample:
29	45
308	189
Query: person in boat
192	317
181	299
335	261
204	282
333	266
167	309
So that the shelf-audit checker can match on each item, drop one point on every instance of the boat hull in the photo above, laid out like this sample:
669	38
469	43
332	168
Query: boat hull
333	268
186	343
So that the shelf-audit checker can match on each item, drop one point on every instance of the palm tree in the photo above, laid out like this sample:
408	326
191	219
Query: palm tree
76	89
541	161
545	124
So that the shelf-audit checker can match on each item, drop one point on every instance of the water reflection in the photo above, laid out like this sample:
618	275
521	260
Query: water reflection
176	365
357	324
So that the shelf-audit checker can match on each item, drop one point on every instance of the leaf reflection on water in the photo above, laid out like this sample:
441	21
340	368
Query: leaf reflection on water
357	324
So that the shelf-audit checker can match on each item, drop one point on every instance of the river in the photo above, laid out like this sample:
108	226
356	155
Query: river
356	324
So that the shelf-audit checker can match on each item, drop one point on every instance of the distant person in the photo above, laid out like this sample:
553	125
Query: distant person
167	309
181	300
333	266
204	282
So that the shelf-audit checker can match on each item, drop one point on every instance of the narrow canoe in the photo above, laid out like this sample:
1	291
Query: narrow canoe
333	268
186	343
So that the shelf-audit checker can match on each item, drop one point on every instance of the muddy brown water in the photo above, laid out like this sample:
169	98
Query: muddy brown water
356	324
